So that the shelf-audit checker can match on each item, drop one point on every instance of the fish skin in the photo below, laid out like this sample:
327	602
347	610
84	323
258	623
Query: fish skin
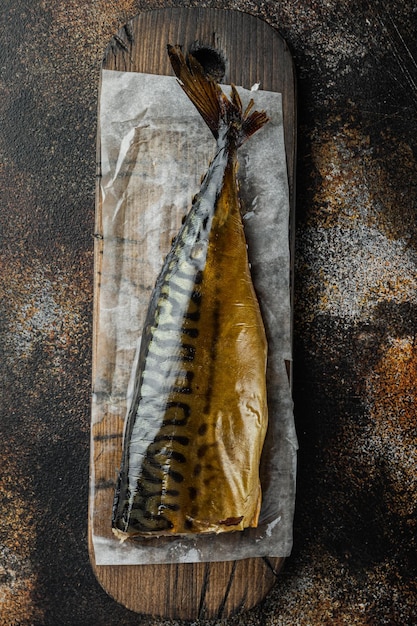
195	430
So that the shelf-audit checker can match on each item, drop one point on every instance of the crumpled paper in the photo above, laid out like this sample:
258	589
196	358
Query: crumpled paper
154	149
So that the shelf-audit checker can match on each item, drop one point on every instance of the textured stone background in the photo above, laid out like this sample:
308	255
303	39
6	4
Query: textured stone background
354	558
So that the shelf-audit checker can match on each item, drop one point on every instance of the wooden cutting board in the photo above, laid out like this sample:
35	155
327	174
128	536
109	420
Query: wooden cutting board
254	52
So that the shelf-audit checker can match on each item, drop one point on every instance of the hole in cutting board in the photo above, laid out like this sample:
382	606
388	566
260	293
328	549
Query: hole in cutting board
211	60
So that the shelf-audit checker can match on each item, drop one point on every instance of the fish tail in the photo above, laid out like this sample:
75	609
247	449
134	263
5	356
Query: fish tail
213	105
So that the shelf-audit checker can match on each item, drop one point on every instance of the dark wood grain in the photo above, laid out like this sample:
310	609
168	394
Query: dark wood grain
254	52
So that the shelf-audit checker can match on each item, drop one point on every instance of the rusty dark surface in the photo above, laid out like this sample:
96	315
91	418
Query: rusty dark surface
354	559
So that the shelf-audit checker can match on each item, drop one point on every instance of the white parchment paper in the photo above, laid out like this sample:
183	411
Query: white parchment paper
154	149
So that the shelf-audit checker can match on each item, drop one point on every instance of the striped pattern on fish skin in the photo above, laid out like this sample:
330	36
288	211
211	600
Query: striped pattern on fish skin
195	430
168	349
